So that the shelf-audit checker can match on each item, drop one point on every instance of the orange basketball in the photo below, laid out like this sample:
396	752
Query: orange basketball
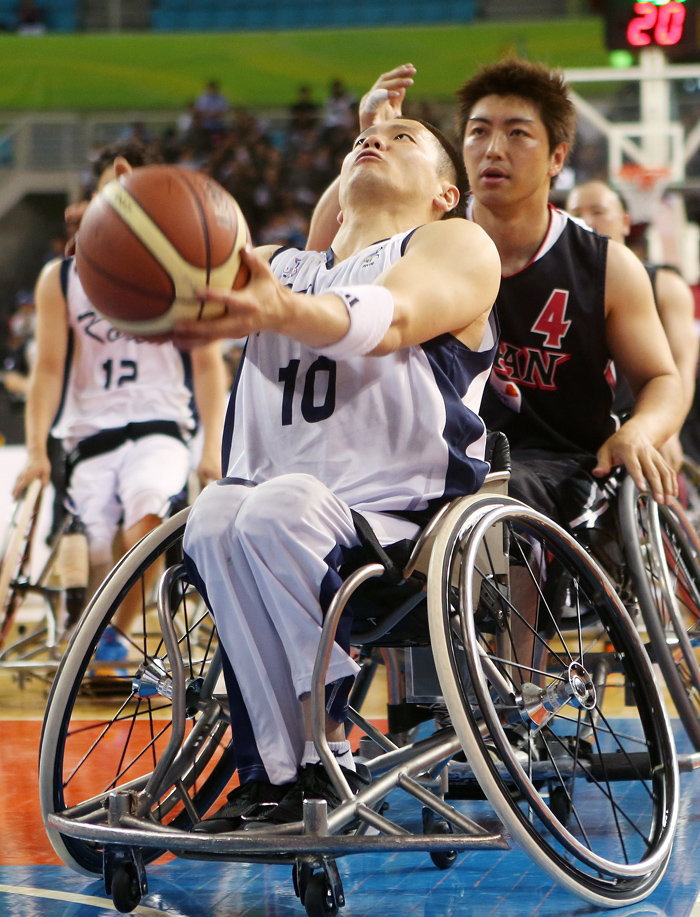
151	239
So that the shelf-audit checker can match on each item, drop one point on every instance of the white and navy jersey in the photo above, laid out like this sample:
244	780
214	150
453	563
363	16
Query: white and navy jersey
399	433
551	385
111	380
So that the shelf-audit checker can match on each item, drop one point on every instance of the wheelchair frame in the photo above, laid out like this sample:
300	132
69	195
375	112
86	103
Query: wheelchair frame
24	654
663	557
462	560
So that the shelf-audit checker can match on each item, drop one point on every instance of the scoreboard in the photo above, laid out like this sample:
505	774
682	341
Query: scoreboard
671	25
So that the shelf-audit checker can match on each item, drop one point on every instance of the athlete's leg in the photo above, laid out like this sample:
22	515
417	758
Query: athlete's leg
92	496
266	555
153	470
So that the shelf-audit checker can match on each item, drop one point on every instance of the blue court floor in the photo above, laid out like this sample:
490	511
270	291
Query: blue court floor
487	884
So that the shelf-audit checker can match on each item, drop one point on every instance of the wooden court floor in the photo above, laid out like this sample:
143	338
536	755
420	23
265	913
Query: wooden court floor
33	882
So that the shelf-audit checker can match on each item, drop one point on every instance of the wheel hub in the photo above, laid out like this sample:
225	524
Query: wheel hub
539	705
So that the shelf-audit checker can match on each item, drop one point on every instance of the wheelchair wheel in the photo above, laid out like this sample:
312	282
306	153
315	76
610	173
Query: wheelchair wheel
546	717
16	554
105	726
663	554
689	482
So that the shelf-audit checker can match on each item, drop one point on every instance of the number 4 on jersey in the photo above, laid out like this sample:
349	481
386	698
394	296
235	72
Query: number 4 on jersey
551	321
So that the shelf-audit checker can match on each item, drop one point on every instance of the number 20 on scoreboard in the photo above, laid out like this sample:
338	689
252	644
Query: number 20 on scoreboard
667	24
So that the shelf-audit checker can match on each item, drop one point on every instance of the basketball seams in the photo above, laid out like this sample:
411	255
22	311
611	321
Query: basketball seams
225	273
185	276
184	250
121	281
205	232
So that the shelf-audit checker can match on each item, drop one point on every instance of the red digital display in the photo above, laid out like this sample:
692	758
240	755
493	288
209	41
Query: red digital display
662	25
668	24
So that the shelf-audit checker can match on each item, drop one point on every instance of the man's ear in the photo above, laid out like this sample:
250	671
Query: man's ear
626	224
448	199
557	159
122	167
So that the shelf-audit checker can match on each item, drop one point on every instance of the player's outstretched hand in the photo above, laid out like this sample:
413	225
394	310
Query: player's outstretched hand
35	468
384	100
259	306
631	447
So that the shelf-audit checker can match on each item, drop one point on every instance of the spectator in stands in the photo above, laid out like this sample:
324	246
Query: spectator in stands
21	347
30	18
212	107
340	108
303	114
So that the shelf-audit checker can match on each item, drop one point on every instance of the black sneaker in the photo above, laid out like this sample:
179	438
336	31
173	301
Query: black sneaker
250	797
313	783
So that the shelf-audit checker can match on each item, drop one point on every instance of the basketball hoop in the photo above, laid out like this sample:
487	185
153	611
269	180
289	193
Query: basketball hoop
643	190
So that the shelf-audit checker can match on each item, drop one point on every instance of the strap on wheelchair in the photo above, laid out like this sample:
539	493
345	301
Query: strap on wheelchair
393	573
114	437
498	451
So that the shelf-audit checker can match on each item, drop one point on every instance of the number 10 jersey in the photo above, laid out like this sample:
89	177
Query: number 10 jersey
398	433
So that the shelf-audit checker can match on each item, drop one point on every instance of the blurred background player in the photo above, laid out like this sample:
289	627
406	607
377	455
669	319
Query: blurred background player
603	209
123	409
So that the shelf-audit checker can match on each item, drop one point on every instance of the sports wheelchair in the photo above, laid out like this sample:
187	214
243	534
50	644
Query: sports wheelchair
33	650
570	742
662	552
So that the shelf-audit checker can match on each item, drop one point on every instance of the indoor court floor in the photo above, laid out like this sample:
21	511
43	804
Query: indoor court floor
33	883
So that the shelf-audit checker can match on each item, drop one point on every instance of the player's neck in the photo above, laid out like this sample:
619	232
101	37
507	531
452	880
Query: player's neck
357	231
517	230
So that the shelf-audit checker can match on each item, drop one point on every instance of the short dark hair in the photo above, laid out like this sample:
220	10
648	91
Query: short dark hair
452	165
547	89
135	153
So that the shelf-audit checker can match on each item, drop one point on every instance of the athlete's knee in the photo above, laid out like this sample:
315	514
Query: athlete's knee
282	505
213	515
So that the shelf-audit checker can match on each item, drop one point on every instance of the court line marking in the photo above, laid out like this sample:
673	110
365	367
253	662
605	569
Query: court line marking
90	900
696	908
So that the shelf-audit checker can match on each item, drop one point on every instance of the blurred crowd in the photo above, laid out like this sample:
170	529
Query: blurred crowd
276	171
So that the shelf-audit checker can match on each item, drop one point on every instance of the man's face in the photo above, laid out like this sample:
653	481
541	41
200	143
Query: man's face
399	156
506	151
599	207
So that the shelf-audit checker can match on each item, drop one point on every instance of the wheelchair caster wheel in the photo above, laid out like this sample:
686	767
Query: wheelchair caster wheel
126	888
318	899
301	873
443	859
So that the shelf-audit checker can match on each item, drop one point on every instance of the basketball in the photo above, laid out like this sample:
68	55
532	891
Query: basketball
151	239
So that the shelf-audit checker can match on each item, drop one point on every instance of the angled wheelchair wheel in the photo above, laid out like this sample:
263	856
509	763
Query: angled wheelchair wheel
689	498
566	733
17	554
663	554
108	721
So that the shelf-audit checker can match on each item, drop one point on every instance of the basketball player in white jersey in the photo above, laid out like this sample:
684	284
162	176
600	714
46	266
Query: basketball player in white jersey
358	392
123	410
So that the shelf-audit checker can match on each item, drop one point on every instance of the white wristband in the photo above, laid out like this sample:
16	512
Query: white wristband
371	310
374	99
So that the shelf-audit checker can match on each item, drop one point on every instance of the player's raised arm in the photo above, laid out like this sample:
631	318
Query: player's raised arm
383	102
446	282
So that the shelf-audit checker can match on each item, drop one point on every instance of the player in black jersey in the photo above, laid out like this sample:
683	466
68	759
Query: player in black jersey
605	210
570	301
